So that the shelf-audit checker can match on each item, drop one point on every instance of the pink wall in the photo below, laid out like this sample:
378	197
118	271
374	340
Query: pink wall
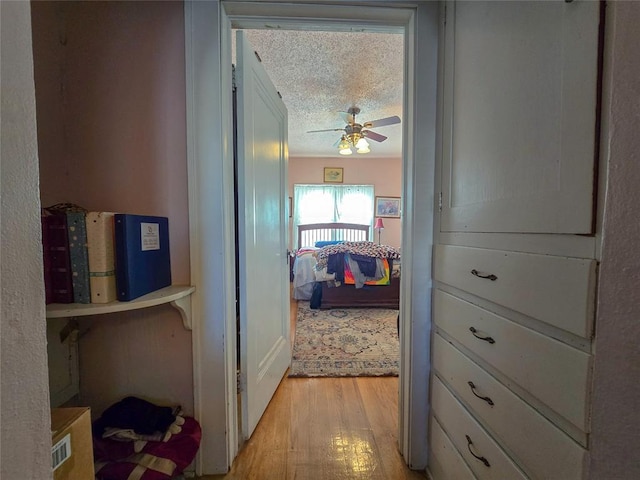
111	110
384	173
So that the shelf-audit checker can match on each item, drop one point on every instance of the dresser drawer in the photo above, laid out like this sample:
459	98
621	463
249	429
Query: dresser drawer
544	451
472	441
556	374
556	290
445	463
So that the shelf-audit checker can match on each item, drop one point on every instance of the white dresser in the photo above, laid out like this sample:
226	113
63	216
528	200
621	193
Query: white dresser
514	261
512	399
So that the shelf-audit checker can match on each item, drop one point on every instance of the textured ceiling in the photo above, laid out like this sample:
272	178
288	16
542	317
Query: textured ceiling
320	74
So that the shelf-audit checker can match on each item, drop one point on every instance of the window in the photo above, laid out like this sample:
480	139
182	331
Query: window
332	203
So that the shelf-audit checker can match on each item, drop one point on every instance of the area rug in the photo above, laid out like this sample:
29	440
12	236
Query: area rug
350	342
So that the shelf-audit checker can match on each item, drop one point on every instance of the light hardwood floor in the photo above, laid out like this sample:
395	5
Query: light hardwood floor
326	428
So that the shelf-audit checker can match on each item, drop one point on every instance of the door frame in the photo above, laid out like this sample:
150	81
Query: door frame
211	219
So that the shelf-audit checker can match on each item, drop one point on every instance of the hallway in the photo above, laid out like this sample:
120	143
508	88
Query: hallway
326	428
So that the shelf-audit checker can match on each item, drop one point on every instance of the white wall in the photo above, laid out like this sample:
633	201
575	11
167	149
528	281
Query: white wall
24	412
615	411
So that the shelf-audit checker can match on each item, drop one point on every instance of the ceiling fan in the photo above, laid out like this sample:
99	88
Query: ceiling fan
355	134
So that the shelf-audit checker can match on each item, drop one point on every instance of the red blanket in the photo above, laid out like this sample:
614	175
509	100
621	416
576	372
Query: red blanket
118	460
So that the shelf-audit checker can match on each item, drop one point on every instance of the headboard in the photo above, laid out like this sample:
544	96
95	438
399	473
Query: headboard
309	234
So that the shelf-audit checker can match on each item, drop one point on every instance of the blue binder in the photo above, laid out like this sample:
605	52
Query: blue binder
143	262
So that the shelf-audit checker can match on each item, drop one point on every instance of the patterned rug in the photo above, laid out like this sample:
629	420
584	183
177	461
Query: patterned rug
350	342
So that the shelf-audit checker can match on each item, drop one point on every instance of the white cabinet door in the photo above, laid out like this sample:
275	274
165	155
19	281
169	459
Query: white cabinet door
262	231
520	116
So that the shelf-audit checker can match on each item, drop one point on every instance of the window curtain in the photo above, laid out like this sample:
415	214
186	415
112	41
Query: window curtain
332	203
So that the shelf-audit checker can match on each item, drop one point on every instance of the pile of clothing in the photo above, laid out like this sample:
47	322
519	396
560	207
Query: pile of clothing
358	263
136	439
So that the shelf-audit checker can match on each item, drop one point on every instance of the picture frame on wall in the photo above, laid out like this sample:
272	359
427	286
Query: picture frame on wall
387	207
333	174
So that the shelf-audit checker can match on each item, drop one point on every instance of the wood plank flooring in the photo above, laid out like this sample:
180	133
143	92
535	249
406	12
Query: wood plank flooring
326	428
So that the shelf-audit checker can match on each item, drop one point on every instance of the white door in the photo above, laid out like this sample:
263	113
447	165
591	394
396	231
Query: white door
519	127
262	191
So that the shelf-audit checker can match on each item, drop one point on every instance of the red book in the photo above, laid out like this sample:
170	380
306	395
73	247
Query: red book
46	260
57	263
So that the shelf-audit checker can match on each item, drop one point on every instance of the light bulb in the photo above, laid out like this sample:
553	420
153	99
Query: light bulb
364	149
345	151
362	145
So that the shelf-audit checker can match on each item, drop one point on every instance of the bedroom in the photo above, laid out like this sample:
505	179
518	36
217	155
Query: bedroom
322	75
350	75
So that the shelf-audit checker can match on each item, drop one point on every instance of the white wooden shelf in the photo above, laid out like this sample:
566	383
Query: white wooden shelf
177	295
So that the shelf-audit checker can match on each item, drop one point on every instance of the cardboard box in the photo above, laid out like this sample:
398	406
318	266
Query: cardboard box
71	439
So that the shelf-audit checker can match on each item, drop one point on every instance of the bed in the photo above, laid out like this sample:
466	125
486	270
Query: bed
319	243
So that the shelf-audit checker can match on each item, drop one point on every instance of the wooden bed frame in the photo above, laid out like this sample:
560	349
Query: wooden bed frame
311	233
382	296
369	296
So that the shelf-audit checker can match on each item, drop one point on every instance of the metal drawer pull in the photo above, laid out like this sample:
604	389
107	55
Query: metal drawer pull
490	276
486	399
486	339
482	459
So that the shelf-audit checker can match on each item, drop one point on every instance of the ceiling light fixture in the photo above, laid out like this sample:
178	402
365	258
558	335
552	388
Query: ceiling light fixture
362	145
354	140
344	147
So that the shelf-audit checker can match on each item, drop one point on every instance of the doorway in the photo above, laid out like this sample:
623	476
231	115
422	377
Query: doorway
208	27
319	75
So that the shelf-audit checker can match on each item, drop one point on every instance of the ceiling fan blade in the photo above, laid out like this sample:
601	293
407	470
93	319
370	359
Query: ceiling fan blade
382	122
327	130
347	117
376	137
337	142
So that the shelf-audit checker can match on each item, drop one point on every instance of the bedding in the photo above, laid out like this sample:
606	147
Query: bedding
347	273
147	460
304	273
365	249
383	279
307	271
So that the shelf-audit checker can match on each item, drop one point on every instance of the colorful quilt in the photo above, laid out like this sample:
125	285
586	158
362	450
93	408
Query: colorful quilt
349	279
